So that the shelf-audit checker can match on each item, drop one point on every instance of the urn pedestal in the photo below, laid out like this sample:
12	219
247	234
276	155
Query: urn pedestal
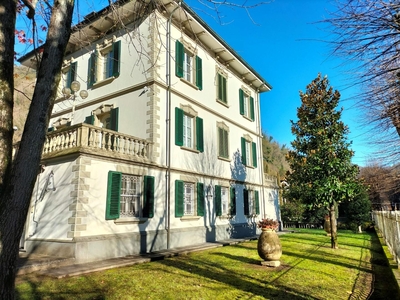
269	248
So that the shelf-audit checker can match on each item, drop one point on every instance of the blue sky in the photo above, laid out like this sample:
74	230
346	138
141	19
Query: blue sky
286	45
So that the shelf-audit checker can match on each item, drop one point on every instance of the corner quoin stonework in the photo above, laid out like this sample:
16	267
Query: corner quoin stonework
79	197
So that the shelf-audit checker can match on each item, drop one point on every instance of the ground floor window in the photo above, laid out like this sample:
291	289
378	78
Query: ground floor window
189	199
129	196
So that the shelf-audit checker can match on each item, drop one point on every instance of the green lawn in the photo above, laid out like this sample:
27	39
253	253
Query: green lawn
309	269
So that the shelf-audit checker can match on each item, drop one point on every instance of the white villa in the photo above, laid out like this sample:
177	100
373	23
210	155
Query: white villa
165	148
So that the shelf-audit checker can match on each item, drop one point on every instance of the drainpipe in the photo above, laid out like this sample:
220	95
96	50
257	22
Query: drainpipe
168	128
259	132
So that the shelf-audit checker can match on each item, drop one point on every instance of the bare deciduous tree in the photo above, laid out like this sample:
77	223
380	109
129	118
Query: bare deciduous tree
368	37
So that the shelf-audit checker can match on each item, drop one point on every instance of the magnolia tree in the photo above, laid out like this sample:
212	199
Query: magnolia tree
322	174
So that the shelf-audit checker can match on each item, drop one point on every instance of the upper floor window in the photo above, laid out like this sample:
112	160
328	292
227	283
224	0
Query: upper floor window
221	87
106	116
225	201
251	202
129	196
246	104
223	140
188	65
69	74
249	152
104	63
188	129
188	200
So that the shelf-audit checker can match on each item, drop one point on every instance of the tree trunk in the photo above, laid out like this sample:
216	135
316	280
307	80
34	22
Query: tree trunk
332	216
17	192
7	37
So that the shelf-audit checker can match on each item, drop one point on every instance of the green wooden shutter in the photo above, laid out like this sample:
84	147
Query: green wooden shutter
179	53
89	120
200	199
233	201
257	200
254	153
178	126
199	134
218	205
179	186
50	129
114	113
246	202
71	76
116	58
223	88
148	197
92	70
241	101
243	144
220	93
252	108
199	73
113	195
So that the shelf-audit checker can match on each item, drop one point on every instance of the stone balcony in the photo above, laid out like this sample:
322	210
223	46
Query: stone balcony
84	138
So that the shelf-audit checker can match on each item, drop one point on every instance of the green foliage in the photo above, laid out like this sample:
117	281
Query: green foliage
321	170
274	157
292	211
358	211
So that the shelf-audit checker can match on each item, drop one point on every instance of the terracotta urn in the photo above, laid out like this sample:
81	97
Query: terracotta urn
269	245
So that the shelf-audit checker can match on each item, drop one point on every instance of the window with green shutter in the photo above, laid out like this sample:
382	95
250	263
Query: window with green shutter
188	66
249	152
246	105
129	196
256	203
251	202
70	74
221	88
232	194
254	154
104	63
148	197
179	186
223	141
246	202
113	195
188	130
89	120
218	203
200	199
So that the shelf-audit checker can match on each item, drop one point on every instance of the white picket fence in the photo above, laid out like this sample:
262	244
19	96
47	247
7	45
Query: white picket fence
388	223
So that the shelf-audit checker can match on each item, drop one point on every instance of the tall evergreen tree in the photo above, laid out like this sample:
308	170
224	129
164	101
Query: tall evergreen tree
322	174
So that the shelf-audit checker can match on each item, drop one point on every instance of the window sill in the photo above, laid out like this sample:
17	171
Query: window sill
252	216
189	83
224	158
103	82
132	220
190	218
226	217
247	118
190	149
223	103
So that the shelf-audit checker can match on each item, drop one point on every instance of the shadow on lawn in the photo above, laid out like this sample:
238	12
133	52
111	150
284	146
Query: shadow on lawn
33	289
251	286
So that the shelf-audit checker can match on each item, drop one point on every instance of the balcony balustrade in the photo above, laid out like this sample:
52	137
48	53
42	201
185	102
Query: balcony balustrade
95	140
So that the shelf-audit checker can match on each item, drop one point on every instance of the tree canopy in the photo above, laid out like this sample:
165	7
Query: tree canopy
322	173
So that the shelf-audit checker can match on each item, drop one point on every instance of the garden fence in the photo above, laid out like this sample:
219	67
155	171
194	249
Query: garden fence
388	223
